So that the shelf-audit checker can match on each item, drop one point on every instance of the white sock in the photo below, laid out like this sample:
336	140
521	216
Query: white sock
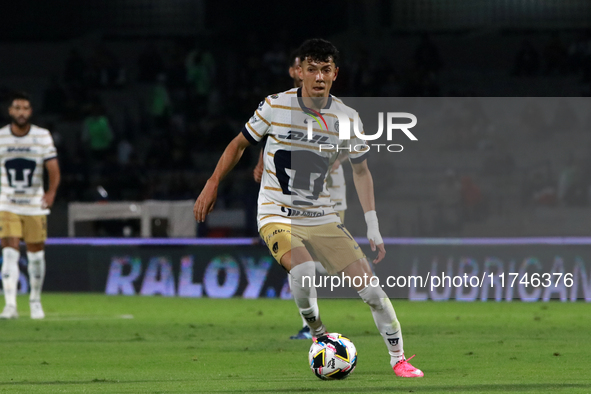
386	321
10	274
304	294
36	273
289	279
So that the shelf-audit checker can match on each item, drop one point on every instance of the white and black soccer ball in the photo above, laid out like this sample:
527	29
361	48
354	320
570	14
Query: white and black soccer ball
332	356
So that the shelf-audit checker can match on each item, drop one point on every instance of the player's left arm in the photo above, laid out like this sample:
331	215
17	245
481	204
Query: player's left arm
54	175
364	186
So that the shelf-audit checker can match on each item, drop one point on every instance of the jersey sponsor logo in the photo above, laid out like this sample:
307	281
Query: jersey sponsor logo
274	96
25	201
297	212
12	149
299	136
274	233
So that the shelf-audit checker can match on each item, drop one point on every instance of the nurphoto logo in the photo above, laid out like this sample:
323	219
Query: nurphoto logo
343	125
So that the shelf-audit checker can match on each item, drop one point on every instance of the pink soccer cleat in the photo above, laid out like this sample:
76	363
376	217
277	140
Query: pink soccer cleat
405	370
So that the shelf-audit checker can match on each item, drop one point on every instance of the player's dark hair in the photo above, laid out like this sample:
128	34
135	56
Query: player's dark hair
293	56
19	96
318	49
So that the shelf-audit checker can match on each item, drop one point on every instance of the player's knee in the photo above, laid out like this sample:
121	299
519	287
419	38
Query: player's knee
35	247
303	274
11	242
373	296
10	257
35	256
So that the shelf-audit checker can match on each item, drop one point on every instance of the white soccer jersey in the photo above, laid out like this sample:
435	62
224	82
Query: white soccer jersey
22	160
293	187
338	188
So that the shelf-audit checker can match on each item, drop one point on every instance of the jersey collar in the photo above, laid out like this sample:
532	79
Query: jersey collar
19	136
308	110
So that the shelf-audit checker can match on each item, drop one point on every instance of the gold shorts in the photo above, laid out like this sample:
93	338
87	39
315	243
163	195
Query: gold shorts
330	243
32	229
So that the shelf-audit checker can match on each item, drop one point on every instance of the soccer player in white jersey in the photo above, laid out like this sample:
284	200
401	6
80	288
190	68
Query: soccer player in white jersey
335	182
295	214
25	150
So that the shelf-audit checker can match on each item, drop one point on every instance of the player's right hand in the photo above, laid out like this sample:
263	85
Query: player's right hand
206	200
258	172
335	165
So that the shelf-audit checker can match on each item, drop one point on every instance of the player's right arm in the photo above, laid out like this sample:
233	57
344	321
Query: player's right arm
258	170
54	176
232	153
254	130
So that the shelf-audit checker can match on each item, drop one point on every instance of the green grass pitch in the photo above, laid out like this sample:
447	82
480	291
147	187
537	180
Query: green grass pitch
92	343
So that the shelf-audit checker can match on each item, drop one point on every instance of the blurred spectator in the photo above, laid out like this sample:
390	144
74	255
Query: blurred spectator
160	103
124	152
200	74
97	133
527	60
570	186
275	59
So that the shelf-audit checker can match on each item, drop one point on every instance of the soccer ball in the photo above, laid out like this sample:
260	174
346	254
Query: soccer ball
332	356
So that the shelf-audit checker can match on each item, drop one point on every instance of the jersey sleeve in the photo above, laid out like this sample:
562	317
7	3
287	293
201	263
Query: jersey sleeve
49	152
259	124
357	147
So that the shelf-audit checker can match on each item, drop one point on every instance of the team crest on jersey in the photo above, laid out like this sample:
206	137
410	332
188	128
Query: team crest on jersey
336	126
261	104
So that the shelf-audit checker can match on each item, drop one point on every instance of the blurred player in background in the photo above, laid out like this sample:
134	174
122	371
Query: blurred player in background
335	183
25	150
297	214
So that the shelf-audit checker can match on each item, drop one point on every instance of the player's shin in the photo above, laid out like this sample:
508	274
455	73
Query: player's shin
386	321
290	280
10	274
36	269
304	293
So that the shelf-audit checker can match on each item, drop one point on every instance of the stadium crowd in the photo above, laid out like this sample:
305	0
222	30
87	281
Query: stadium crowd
195	97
